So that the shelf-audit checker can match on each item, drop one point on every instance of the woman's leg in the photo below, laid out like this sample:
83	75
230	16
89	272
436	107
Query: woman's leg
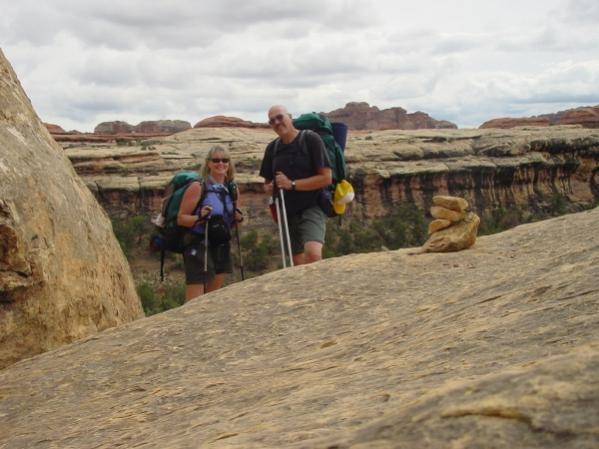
192	291
215	283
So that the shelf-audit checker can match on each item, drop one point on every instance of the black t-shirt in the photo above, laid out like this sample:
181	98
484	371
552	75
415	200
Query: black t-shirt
296	163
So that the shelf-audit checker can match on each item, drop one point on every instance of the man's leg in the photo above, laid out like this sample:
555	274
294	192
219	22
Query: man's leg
312	252
215	283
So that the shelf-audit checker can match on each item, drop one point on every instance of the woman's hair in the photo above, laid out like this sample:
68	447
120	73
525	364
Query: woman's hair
214	150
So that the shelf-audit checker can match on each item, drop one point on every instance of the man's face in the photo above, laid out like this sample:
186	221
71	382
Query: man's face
280	120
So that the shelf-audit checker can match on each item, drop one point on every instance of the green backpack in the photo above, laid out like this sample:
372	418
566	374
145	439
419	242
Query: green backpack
322	126
170	235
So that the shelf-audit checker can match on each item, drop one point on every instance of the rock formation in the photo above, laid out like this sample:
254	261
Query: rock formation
62	273
117	127
161	127
54	129
495	347
520	170
362	116
453	227
221	121
588	117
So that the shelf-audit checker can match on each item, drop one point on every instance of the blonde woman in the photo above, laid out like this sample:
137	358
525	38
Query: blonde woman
213	211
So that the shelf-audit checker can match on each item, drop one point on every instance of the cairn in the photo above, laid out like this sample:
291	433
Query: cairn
454	228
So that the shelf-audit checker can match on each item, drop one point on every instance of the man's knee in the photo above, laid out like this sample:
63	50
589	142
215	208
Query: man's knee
312	251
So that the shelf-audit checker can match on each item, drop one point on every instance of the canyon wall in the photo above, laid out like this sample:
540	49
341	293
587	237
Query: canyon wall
524	168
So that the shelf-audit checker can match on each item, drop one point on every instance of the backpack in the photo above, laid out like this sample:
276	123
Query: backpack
320	124
170	235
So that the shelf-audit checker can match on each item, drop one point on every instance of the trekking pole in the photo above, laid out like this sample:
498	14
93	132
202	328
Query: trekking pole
286	227
206	254
239	250
277	206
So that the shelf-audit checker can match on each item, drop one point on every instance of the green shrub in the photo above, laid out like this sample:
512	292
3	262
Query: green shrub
130	232
164	297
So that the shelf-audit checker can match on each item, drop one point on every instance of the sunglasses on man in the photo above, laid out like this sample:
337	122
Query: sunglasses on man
216	160
276	119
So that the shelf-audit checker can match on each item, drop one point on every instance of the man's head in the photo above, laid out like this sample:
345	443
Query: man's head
280	120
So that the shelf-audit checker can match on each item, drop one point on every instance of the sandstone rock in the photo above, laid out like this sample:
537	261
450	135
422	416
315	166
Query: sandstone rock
162	127
495	347
457	237
360	116
491	169
63	275
447	214
117	127
54	129
587	117
221	121
437	225
506	122
451	202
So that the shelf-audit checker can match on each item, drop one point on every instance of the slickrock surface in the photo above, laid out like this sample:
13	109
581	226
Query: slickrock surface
587	116
63	275
495	347
362	116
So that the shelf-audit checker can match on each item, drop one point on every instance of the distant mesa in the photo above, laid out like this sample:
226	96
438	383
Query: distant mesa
146	127
587	117
54	129
362	116
221	121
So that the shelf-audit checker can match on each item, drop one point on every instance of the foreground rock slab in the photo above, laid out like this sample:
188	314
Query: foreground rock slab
496	347
63	275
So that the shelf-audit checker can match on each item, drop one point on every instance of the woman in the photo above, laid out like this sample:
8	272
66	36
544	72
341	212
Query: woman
214	209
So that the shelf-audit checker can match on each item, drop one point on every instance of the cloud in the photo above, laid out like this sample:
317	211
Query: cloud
82	62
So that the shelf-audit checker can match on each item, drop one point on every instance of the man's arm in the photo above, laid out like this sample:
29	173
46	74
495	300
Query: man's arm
318	181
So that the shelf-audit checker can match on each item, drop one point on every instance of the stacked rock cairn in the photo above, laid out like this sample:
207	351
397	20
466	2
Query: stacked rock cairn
454	228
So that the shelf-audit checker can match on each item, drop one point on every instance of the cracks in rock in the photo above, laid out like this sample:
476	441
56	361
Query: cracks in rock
514	415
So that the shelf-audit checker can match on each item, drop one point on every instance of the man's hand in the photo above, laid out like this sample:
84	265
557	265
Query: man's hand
282	181
268	187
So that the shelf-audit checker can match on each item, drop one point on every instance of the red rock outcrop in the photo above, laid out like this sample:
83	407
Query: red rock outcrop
362	116
54	129
587	116
221	121
507	122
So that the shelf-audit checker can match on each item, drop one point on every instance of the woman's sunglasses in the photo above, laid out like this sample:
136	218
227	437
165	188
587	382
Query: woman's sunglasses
216	160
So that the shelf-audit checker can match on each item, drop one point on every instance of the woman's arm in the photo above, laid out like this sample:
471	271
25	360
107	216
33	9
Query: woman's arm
189	202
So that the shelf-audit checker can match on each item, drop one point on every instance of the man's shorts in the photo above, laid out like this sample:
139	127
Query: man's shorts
219	261
308	225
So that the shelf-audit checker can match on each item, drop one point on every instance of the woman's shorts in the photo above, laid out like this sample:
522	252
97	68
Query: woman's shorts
219	261
308	225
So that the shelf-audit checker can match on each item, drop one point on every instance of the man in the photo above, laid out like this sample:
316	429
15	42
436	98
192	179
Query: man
298	164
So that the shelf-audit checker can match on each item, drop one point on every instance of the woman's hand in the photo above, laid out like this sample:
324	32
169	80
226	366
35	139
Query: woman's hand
238	216
205	212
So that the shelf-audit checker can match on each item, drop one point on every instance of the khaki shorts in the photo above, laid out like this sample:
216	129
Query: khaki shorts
307	226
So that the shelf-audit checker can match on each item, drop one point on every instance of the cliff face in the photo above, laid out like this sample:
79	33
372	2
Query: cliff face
496	346
362	116
63	275
525	168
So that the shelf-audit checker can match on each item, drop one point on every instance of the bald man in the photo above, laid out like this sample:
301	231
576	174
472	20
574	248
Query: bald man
296	162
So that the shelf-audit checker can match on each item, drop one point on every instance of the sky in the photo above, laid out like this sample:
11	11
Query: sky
83	62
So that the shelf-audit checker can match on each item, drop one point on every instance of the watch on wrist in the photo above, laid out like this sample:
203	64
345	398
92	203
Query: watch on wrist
292	185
